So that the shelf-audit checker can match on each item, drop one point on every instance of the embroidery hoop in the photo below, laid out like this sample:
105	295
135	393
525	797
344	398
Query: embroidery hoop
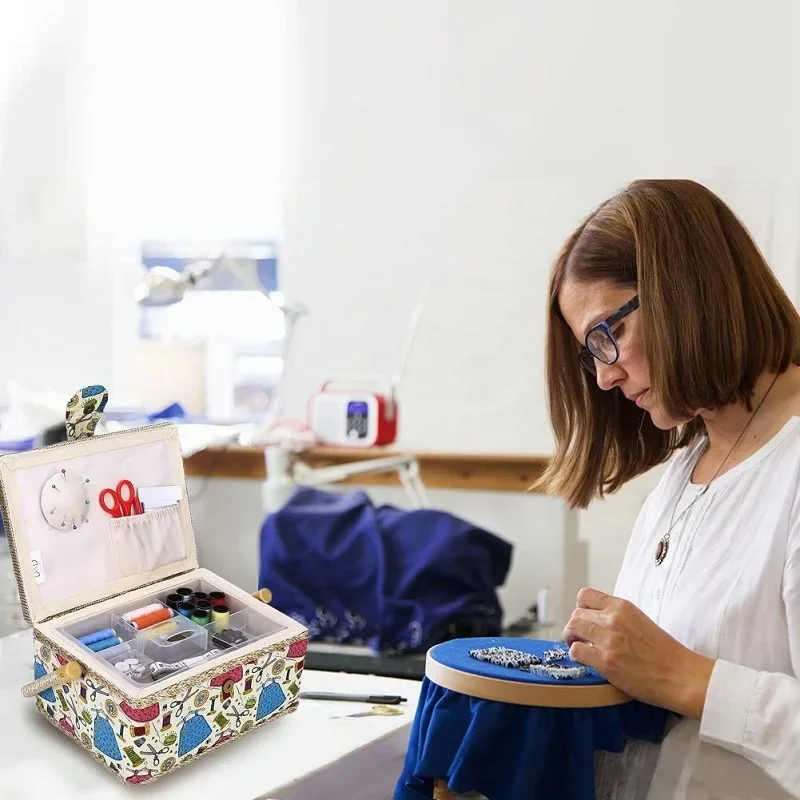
544	694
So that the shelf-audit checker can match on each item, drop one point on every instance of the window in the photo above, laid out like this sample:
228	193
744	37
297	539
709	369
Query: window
239	328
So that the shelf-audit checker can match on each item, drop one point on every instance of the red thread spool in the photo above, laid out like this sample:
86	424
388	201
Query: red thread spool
151	619
217	598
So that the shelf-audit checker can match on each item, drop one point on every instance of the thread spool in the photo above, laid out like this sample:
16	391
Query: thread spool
201	616
97	636
197	596
104	644
140	612
184	592
71	671
204	605
140	623
220	615
217	598
174	600
185	609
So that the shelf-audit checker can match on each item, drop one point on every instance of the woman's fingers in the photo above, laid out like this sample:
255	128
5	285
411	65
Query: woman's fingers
583	653
592	598
585	625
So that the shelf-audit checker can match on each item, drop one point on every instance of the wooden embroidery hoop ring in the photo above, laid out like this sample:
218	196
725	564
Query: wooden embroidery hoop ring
522	693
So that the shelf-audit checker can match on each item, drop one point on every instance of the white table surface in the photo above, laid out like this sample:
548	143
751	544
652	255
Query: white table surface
306	755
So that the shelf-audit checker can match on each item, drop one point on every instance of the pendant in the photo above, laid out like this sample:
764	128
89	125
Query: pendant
661	550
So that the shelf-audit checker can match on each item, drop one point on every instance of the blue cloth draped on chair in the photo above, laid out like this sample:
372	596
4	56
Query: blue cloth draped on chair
513	752
395	580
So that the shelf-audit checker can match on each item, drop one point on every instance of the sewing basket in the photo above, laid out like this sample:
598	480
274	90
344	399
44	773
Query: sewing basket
162	694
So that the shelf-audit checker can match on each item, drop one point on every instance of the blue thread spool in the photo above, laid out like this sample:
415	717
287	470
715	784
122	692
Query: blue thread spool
185	609
104	644
97	636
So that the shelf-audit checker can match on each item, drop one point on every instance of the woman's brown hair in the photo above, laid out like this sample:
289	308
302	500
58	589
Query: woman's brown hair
714	319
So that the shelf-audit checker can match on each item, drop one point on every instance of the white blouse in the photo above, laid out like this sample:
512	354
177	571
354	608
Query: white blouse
729	588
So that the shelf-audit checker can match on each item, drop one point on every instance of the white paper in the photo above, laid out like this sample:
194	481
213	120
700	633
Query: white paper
159	496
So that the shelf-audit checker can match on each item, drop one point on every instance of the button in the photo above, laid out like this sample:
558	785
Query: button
658	594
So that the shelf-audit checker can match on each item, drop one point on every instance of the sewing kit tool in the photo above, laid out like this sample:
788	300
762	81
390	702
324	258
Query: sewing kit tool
130	616
159	669
145	621
185	609
138	652
120	501
69	672
174	600
375	711
375	699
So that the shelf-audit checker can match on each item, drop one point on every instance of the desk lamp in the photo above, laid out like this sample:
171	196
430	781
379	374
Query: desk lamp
163	286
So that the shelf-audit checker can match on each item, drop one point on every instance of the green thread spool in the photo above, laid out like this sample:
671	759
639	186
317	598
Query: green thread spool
202	616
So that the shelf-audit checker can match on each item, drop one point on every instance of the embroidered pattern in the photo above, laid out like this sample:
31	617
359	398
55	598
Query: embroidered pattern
505	657
547	666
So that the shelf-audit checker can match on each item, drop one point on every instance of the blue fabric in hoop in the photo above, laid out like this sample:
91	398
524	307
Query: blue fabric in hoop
513	752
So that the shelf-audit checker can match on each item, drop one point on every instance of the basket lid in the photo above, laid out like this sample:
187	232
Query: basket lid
67	551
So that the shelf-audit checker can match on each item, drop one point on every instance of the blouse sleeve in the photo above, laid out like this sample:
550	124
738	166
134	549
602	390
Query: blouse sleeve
757	714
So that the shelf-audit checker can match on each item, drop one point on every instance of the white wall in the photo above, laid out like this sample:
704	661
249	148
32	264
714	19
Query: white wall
119	123
459	142
53	321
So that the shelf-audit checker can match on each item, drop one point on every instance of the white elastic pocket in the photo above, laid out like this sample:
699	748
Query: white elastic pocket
145	542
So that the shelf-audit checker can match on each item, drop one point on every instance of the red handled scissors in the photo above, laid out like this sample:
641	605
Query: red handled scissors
123	502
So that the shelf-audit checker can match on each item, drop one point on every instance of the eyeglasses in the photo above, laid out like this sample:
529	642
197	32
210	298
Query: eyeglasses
600	342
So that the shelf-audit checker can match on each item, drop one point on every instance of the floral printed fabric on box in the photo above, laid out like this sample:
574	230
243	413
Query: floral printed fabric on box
142	742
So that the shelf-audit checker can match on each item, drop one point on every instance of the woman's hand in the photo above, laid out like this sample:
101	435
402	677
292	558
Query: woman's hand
632	653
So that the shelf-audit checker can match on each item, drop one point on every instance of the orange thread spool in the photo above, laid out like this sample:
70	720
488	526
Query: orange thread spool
151	619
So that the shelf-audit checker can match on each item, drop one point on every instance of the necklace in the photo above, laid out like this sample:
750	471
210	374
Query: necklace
662	548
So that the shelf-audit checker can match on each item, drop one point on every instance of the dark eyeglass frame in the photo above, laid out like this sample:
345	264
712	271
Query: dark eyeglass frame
587	355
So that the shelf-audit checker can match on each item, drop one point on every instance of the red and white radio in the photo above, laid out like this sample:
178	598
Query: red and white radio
347	413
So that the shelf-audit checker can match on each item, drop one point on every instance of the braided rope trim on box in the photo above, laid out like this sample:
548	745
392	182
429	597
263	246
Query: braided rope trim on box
178	688
185	760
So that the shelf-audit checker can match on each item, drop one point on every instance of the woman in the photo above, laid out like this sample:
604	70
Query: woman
670	338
